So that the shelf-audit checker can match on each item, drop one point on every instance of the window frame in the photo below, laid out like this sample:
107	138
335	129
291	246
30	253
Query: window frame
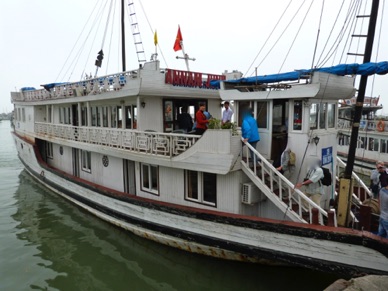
86	163
200	187
49	150
149	175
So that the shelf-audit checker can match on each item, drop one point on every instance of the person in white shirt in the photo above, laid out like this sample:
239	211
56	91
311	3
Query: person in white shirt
227	114
314	189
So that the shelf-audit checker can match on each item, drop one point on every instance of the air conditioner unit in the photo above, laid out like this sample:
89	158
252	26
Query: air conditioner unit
250	194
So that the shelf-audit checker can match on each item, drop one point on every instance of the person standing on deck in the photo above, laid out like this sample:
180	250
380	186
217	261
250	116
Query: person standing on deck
250	132
383	205
383	174
375	180
286	168
314	188
227	113
184	120
201	121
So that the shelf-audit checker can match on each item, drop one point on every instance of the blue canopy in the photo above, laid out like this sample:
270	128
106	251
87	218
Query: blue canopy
52	85
27	89
366	69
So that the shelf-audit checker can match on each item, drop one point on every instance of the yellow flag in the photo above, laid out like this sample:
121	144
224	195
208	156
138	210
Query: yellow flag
155	38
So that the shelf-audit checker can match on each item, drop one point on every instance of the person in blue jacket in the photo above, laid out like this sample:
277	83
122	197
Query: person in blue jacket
250	132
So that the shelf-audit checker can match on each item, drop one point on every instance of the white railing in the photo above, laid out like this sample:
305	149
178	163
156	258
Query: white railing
274	184
82	88
365	125
154	143
359	183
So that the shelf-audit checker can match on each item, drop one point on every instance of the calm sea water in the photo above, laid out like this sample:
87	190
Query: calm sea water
47	243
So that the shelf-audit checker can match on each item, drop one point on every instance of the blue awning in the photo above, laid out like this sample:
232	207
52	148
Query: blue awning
366	69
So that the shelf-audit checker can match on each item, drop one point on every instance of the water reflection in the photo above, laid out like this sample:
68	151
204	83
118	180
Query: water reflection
69	249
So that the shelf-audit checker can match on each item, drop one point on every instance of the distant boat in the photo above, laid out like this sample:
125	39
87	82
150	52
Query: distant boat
372	145
112	145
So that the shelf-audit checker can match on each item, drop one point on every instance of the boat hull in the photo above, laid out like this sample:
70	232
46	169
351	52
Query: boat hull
217	234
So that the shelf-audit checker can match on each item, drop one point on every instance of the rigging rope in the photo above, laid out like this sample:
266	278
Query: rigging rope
74	46
269	36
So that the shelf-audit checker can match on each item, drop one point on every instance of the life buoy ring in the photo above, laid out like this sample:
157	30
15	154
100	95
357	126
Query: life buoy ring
380	125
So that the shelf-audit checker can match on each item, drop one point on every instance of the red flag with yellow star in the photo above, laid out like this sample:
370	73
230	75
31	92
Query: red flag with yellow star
178	40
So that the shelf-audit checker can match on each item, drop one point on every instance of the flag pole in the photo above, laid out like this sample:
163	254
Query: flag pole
185	56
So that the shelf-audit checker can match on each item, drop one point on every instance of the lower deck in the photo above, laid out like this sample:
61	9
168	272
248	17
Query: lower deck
197	189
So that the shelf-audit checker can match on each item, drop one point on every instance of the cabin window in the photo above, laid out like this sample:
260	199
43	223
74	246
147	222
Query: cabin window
64	115
322	115
344	140
86	159
168	116
298	115
331	115
361	143
119	117
96	116
84	116
130	117
373	144
113	117
201	187
23	115
49	120
68	115
105	110
60	115
16	114
49	150
314	116
383	146
150	178
262	115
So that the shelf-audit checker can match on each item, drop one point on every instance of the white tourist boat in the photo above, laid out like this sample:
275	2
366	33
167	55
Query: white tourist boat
112	146
372	145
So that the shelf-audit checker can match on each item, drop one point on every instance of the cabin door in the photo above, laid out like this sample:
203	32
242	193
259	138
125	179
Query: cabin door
279	129
75	162
129	177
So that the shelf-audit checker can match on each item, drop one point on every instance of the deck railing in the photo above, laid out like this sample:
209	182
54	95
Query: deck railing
154	143
85	87
359	184
278	186
365	125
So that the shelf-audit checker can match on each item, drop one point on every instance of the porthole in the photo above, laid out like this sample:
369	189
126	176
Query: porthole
105	161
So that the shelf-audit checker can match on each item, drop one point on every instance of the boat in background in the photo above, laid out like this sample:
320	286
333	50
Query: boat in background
372	145
113	146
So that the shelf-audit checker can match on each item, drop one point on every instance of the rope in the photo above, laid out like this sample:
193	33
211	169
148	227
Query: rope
269	36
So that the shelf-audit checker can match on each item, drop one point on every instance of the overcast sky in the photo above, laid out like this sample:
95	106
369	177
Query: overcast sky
37	37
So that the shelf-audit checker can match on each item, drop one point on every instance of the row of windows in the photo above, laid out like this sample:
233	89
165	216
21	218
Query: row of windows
105	116
199	187
322	115
367	143
20	114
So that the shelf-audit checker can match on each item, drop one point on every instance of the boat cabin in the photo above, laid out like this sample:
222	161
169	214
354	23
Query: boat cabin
122	132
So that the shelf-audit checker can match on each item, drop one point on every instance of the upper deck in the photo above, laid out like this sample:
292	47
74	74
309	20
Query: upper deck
147	80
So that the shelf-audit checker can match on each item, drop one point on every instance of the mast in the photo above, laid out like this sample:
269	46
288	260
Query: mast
123	35
346	188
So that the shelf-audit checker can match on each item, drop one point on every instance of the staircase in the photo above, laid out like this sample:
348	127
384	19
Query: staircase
280	191
293	202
